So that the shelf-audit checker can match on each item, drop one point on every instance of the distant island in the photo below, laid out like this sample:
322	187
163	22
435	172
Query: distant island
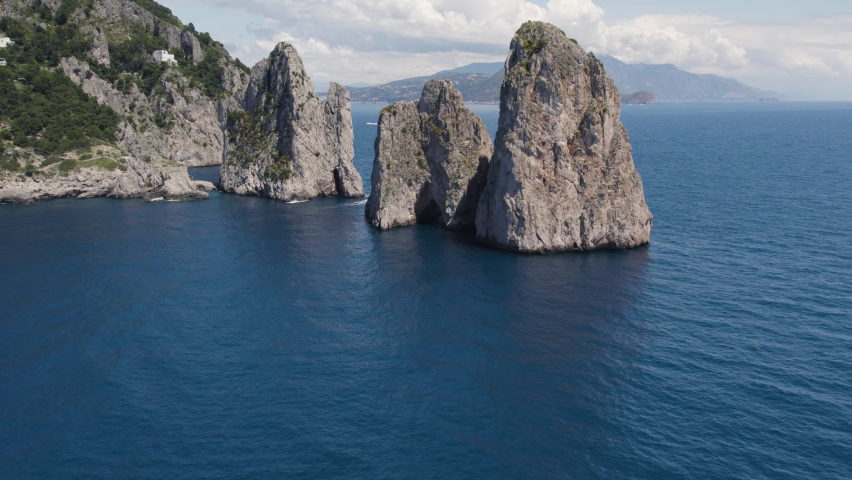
639	98
480	83
671	84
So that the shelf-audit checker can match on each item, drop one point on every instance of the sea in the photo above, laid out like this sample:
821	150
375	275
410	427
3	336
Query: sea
242	337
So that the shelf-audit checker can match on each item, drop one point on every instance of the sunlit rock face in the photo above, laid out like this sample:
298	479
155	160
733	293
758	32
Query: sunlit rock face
562	176
287	144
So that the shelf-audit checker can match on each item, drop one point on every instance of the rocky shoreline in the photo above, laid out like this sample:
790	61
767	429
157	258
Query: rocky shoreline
128	178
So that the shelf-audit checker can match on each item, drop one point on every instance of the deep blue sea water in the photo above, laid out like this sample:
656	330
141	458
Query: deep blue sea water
248	338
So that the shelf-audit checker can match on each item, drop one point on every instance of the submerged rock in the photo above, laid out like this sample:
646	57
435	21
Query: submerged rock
287	144
562	176
431	161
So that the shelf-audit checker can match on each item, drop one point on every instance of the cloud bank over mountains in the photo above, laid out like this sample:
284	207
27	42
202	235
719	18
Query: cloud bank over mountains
380	40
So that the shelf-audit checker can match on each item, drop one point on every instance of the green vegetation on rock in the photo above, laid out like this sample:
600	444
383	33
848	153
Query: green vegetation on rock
68	7
68	165
103	163
533	47
159	11
129	53
9	164
205	75
280	169
47	112
249	139
35	45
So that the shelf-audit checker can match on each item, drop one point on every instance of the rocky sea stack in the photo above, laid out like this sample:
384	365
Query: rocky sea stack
431	161
562	176
288	145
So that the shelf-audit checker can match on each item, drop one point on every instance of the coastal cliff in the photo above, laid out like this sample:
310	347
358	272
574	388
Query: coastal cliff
431	161
178	122
562	176
288	145
170	109
109	98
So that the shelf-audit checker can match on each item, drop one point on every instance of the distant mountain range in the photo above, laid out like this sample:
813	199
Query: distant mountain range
480	83
475	86
669	84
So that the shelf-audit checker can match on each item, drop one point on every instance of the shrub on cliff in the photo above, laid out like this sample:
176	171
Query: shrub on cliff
51	114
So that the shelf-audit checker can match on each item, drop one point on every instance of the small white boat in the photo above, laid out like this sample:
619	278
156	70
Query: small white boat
371	123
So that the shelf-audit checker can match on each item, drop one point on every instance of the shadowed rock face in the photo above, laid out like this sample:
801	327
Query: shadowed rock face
431	161
288	145
562	176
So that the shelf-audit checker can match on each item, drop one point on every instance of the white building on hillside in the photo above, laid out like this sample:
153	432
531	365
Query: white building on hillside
165	57
5	42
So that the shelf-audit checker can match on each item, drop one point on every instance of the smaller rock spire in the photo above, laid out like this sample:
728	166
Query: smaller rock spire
287	144
431	161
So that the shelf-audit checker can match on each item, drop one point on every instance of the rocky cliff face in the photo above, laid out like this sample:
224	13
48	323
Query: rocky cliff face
562	176
100	47
287	144
431	161
176	122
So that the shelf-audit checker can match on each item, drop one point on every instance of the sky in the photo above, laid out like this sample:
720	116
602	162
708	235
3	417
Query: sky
801	49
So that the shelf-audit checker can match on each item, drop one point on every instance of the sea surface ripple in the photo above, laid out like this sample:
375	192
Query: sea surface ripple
242	337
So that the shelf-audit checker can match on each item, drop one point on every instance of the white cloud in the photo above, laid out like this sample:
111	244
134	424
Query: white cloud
806	59
382	40
688	41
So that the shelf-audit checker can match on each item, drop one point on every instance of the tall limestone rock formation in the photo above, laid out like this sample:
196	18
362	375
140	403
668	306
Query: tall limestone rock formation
288	145
431	161
562	176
